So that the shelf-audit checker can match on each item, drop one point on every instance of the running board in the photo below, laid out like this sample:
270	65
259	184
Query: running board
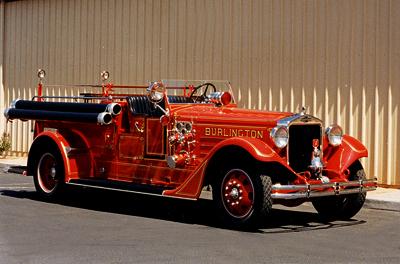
119	186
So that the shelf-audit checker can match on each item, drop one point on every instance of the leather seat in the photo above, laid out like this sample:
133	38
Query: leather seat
175	99
141	105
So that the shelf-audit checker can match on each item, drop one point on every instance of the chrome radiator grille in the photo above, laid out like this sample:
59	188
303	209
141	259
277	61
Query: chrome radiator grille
300	145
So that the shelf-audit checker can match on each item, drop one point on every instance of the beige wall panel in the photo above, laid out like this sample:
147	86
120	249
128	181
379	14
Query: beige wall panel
339	58
394	95
2	89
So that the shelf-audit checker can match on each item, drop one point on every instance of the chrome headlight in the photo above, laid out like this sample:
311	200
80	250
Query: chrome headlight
41	73
335	135
280	136
104	75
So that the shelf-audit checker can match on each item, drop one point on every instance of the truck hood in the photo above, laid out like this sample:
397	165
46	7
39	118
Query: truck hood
232	115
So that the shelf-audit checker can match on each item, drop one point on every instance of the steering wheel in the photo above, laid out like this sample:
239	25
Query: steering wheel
202	97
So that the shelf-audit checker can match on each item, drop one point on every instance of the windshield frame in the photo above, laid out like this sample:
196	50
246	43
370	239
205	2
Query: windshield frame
185	88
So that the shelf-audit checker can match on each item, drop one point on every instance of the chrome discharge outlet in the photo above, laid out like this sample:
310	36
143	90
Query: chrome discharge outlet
104	118
6	115
114	109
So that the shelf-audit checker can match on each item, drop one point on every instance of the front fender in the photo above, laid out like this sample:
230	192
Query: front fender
345	155
255	147
258	149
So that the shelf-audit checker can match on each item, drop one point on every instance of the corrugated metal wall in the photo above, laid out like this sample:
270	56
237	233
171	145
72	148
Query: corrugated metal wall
2	95
340	58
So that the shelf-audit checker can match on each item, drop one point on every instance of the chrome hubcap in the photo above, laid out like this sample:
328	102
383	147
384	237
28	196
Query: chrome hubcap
53	172
234	193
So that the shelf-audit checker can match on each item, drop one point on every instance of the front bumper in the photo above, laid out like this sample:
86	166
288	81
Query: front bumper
305	191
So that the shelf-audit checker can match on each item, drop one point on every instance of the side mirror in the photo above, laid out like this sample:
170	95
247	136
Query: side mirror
156	92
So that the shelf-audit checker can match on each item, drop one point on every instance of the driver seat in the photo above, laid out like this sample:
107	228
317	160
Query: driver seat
176	99
141	105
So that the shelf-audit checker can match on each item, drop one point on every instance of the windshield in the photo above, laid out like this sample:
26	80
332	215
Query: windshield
196	88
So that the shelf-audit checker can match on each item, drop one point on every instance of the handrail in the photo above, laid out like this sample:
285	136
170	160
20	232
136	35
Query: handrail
76	85
72	97
110	85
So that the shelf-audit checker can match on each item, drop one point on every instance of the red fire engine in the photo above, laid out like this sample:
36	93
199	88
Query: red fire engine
174	138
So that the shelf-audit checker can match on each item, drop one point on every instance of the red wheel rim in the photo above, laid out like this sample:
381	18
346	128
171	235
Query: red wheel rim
47	173
237	192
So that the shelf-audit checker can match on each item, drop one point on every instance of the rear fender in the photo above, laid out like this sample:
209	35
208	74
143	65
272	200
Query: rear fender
258	149
48	138
73	142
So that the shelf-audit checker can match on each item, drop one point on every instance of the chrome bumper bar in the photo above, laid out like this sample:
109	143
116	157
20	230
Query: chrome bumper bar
305	191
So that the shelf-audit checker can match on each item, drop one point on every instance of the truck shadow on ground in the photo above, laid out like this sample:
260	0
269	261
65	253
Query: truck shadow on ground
188	212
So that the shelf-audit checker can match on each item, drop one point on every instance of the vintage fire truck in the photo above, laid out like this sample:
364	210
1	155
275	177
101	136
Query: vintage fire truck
177	138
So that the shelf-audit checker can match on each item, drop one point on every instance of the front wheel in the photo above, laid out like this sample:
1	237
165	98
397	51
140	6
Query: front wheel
345	206
48	173
242	199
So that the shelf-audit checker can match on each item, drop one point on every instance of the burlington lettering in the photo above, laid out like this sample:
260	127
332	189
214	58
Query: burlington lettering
233	132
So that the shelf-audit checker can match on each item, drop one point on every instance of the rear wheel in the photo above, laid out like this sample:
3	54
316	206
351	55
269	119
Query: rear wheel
242	199
345	206
48	173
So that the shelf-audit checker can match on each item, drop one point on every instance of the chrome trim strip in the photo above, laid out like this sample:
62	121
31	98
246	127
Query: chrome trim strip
306	119
289	187
129	191
305	191
289	196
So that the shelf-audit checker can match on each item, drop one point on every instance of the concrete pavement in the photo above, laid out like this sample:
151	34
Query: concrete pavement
382	198
12	161
95	226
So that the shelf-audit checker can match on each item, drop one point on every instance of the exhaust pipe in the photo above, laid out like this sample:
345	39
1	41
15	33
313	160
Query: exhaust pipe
103	118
